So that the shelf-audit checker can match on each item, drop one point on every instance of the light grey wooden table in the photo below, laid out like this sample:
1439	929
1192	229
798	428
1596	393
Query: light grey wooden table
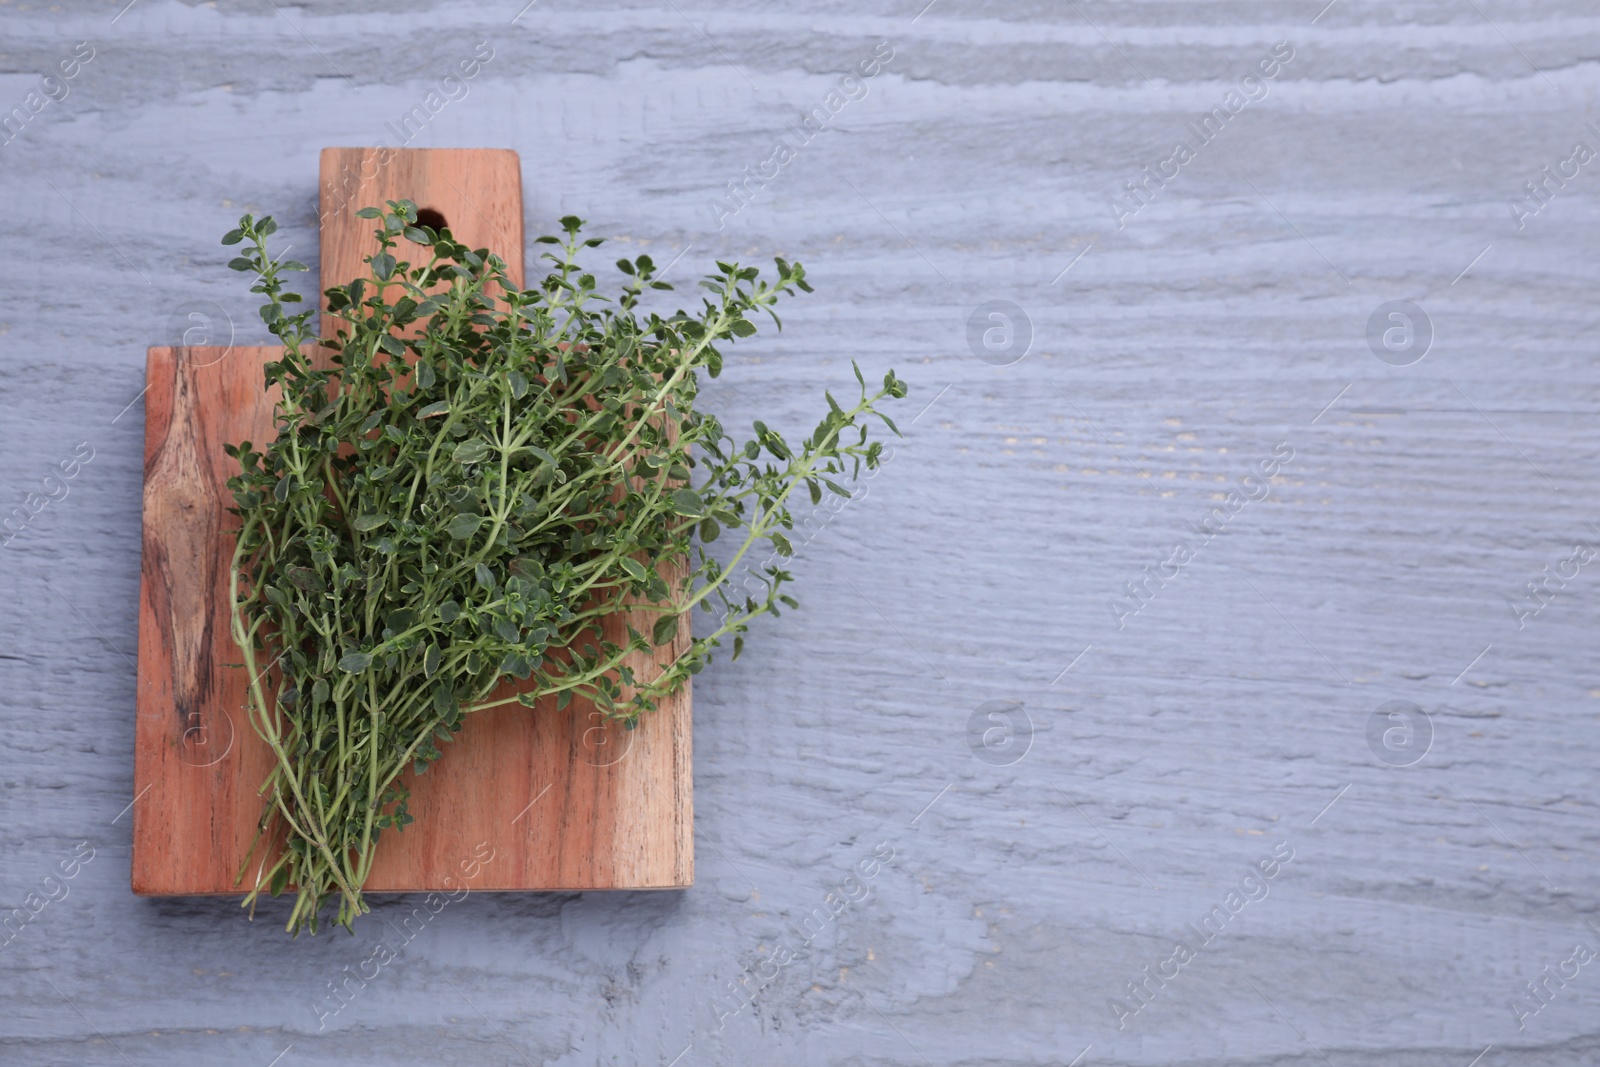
1053	687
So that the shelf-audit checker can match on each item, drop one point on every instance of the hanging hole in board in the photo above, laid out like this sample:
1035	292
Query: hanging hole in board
428	216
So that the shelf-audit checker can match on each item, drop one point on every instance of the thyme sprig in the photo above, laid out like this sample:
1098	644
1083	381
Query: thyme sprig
467	479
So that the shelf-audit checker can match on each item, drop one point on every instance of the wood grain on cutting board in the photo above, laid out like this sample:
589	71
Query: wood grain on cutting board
563	801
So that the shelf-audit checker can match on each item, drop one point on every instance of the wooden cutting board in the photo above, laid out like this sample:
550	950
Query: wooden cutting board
558	800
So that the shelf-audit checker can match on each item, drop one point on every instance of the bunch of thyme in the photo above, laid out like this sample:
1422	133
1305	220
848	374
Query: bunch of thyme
467	479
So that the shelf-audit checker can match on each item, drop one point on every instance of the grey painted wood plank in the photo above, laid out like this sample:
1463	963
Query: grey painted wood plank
1227	316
